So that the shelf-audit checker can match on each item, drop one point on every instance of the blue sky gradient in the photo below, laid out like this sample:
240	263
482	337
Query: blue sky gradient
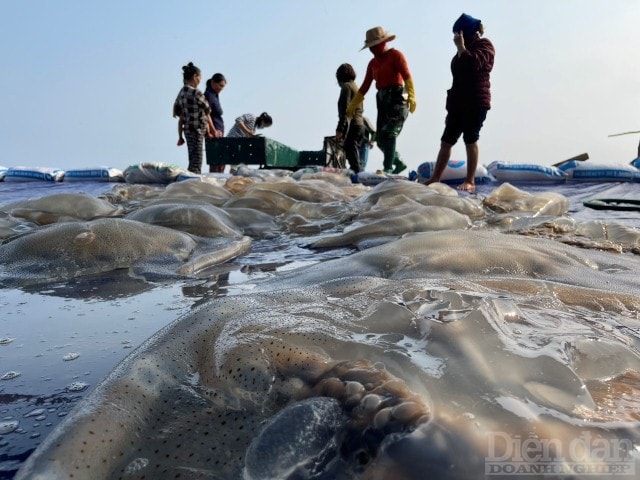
90	83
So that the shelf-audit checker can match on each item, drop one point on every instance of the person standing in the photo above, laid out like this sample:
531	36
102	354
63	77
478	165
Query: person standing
214	86
468	99
349	130
193	110
389	69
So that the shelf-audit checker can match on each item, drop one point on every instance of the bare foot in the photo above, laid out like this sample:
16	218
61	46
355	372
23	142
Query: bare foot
180	141
467	187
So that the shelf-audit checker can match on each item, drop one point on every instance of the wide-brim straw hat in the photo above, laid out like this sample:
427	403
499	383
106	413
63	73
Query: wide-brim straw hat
376	36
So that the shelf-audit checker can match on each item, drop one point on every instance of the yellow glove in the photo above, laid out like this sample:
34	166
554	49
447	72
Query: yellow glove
354	103
411	94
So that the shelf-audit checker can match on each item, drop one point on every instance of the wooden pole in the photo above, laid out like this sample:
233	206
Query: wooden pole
623	133
579	158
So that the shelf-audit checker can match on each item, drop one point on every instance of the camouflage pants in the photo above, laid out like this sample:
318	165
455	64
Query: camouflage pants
392	112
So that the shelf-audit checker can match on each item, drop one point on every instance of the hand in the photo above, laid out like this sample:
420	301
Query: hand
351	109
458	40
411	94
355	102
412	104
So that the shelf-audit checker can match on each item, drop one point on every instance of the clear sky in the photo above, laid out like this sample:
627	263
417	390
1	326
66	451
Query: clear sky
89	83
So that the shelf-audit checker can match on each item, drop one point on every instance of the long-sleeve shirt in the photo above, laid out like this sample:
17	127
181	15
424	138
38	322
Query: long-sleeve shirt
348	90
471	87
193	108
388	70
216	109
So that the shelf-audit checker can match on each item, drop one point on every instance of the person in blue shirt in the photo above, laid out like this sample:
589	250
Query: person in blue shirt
214	86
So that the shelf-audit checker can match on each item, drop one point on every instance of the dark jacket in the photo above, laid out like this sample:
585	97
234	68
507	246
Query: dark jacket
471	87
216	109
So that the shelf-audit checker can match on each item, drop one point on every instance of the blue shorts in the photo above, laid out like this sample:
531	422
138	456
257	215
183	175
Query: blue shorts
467	124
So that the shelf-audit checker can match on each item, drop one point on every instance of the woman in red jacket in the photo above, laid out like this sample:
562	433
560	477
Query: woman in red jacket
469	98
389	69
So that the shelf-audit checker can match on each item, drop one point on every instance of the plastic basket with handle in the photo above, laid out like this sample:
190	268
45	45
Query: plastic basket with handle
334	153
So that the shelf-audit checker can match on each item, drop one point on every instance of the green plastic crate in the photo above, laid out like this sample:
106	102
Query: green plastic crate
250	151
279	155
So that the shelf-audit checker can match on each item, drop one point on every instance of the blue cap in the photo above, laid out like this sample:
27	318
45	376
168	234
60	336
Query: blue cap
467	24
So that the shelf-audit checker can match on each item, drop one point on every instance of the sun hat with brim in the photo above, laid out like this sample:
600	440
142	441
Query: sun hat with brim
375	36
